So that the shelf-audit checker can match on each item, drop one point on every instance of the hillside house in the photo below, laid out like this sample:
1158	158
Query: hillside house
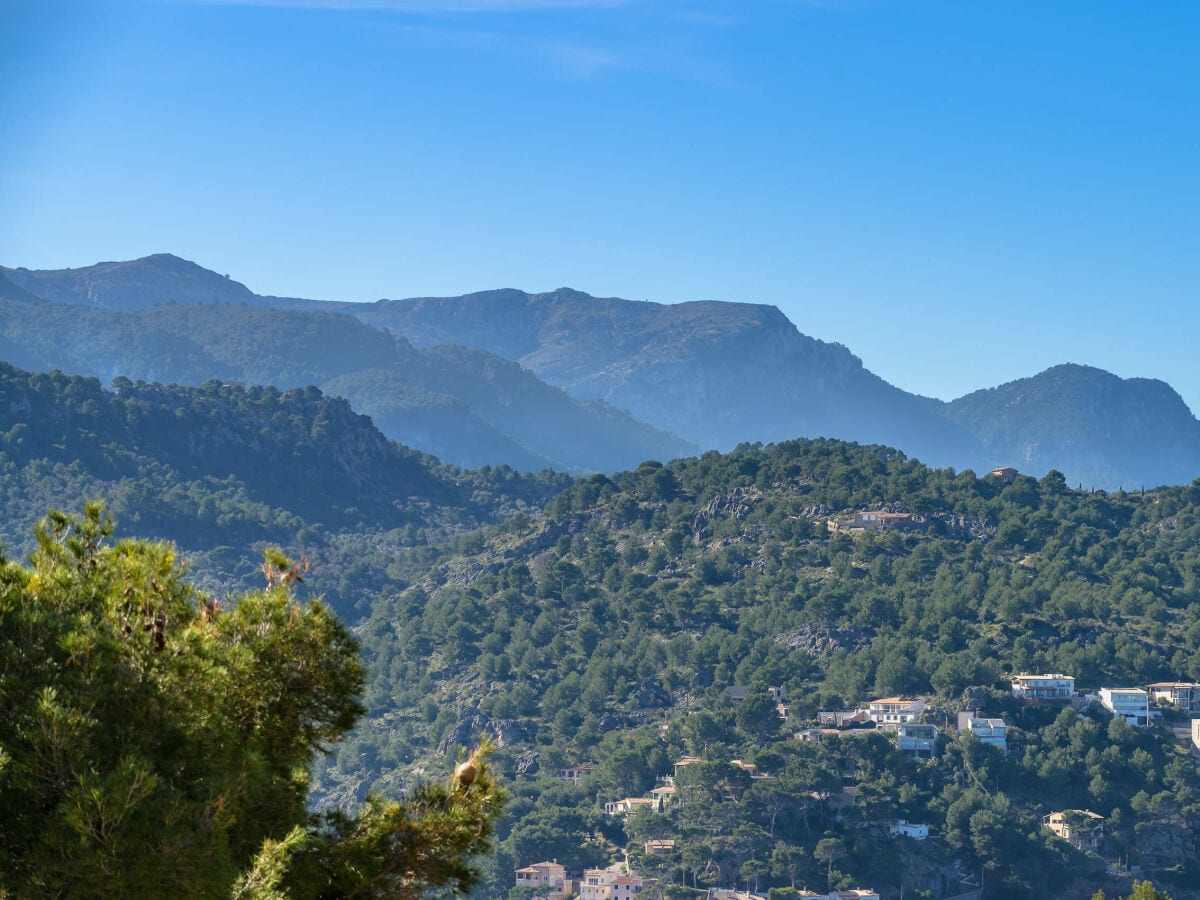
685	761
629	804
1196	734
992	732
917	739
1007	474
613	883
1081	828
889	713
910	830
576	773
817	735
662	795
659	847
840	718
749	768
854	894
737	693
549	874
1133	704
1183	694
874	521
1043	687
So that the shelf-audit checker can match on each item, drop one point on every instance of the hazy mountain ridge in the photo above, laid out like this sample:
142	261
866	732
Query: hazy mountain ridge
438	401
1083	419
134	284
714	373
720	373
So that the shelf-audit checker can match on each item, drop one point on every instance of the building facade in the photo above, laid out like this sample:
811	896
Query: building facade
892	712
1132	704
1043	687
1183	694
613	883
577	772
992	732
549	874
917	739
1081	828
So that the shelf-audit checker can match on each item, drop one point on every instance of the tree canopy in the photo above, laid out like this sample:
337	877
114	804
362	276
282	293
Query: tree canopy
158	739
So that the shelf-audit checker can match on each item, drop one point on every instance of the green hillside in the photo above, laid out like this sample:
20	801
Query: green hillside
219	469
611	630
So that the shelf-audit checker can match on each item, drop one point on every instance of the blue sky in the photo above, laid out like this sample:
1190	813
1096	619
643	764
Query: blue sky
962	192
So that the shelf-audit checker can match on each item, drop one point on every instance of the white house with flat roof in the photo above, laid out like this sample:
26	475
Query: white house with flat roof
992	732
1132	704
1043	687
891	712
629	804
917	739
912	830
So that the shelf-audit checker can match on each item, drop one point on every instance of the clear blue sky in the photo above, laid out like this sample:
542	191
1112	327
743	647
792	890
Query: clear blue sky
962	192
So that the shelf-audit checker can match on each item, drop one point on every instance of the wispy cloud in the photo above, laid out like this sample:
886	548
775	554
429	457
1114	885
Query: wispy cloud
575	58
427	6
580	56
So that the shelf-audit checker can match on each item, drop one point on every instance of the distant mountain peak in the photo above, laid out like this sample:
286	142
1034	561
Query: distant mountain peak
134	284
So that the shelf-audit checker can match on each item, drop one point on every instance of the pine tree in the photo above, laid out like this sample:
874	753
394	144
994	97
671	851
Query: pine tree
156	742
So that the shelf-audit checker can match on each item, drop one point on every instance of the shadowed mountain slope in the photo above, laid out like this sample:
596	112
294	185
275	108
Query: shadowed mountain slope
467	407
716	373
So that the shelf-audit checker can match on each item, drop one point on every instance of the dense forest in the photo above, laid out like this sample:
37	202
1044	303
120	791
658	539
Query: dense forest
611	629
223	469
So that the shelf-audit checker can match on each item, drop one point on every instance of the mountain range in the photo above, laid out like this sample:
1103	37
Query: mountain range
577	382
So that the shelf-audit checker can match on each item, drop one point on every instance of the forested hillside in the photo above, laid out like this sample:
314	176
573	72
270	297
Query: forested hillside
611	630
222	468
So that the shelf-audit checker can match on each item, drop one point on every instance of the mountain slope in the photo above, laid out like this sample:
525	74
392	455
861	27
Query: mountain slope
296	451
1091	424
716	373
462	396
